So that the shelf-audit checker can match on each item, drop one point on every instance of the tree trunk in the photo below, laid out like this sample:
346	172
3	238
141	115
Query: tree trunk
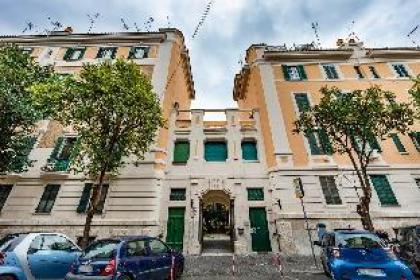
95	197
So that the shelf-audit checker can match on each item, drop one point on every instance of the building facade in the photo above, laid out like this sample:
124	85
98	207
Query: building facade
227	185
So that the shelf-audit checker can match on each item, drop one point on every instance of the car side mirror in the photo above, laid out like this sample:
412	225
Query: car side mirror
317	243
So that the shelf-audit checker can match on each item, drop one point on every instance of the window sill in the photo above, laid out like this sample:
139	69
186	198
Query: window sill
179	163
251	161
404	153
41	214
390	205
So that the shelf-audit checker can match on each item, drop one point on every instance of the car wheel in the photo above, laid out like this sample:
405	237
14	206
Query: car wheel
124	277
7	277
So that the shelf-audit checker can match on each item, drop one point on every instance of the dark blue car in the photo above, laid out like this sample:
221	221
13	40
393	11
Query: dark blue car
127	258
358	255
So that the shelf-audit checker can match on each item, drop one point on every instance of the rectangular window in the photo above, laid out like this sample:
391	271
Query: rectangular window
60	157
415	137
398	143
330	190
107	52
84	202
48	199
4	194
255	194
215	151
418	182
249	150
177	195
27	50
319	142
384	190
401	70
139	52
330	71
375	74
294	72
181	152
73	54
359	72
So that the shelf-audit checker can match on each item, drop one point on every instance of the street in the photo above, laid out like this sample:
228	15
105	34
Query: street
255	266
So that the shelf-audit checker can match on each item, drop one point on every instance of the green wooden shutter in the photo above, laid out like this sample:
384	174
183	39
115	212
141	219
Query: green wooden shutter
84	199
286	72
384	190
99	54
58	144
330	191
415	138
374	144
114	52
82	53
215	151
302	73
131	53
255	194
181	152
325	142
302	102
101	204
4	194
397	142
249	150
398	70
68	54
48	199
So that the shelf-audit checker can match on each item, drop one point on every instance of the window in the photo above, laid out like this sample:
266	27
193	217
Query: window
401	70
139	52
359	72
136	248
330	71
107	52
60	157
372	144
294	73
329	188
48	199
319	142
375	74
181	152
157	247
415	137
51	242
84	202
4	194
27	50
177	195
255	194
397	142
418	182
249	150
73	54
215	151
383	189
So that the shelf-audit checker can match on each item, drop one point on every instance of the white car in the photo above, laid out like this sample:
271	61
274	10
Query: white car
30	256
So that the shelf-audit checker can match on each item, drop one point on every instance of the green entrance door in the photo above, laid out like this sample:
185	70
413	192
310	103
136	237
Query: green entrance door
175	233
259	230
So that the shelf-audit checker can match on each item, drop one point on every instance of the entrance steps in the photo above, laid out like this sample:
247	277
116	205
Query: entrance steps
217	245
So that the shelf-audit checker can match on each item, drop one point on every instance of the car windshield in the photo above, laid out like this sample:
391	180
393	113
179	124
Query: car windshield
10	241
103	249
359	240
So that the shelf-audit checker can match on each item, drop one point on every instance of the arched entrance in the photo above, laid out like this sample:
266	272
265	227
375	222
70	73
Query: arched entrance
217	223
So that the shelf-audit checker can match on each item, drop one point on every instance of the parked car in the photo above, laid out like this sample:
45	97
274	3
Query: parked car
127	258
25	256
407	246
358	254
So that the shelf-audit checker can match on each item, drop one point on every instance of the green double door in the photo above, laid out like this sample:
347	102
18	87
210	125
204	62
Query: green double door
175	228
259	230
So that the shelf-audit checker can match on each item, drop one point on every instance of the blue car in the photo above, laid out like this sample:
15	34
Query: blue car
127	258
357	255
28	256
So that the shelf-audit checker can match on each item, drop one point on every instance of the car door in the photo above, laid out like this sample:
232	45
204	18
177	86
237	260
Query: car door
161	255
54	252
137	259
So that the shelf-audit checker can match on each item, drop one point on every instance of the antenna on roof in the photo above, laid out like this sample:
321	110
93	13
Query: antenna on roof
352	33
92	20
124	24
410	35
29	26
55	24
148	24
315	28
240	61
168	22
203	18
138	29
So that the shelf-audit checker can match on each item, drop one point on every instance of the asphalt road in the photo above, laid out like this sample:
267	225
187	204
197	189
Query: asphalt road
253	267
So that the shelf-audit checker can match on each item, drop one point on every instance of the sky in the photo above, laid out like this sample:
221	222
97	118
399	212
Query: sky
229	29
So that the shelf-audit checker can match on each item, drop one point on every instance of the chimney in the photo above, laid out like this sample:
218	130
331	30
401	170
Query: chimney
69	29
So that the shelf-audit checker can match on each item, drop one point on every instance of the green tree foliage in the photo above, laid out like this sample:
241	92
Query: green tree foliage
415	93
351	121
115	112
18	117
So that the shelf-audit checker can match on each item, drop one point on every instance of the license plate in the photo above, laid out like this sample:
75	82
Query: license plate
85	269
371	272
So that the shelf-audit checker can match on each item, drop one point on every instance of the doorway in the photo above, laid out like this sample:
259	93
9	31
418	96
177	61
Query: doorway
259	230
216	220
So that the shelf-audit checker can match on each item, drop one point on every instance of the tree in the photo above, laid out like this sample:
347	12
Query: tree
353	122
115	112
415	93
18	116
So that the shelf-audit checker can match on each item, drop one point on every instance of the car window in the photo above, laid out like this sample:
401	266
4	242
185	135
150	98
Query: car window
10	241
157	247
51	242
136	248
102	249
359	240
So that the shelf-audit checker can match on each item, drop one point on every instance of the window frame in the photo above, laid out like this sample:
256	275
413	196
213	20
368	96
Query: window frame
374	72
5	190
398	143
182	195
255	144
48	196
258	192
213	141
70	52
181	162
359	72
336	72
133	49
397	73
396	204
101	51
103	199
330	187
